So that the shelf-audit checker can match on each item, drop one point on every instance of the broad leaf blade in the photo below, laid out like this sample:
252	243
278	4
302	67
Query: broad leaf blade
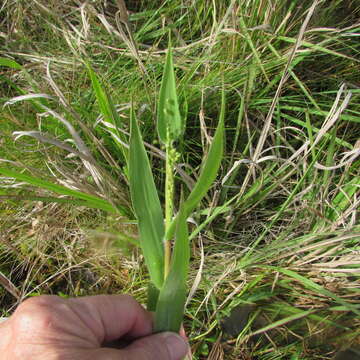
108	112
171	302
152	297
147	206
209	171
169	123
211	164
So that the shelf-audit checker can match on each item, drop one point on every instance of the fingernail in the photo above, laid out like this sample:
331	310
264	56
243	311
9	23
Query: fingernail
176	345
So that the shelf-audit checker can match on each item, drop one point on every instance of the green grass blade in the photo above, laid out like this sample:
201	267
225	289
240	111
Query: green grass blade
316	47
109	112
280	211
10	63
311	285
169	123
252	47
92	200
46	199
170	305
147	205
281	322
343	199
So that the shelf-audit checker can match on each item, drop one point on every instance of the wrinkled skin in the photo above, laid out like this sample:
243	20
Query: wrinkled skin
53	328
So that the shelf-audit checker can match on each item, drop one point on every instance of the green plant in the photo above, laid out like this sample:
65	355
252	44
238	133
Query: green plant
168	270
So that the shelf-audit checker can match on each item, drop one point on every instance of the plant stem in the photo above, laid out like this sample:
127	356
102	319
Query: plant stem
169	195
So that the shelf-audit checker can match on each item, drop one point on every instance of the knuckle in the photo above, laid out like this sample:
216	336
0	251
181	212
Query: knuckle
28	321
35	313
37	302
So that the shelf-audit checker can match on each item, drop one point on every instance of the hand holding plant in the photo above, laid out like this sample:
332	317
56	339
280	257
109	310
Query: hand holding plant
168	268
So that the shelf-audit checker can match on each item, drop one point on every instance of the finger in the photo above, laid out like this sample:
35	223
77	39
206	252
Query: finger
182	333
163	346
113	316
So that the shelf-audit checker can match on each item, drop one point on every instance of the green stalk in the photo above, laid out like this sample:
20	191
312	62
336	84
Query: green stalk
210	167
169	193
171	157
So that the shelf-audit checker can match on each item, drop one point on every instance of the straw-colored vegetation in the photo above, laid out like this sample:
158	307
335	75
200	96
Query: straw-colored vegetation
275	239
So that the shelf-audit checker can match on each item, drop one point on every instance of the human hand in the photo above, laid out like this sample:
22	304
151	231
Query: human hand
53	328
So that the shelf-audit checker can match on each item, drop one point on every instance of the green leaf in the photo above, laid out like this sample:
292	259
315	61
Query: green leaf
211	165
10	63
170	306
109	113
152	297
169	123
147	206
91	200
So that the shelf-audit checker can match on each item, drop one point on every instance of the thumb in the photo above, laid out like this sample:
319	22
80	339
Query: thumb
162	346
